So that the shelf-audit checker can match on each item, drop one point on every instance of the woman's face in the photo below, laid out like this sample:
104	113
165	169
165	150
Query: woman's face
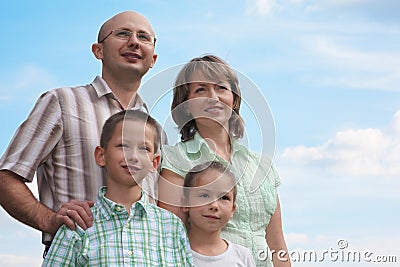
209	101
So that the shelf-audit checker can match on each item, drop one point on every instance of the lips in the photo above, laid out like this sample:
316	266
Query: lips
211	217
131	168
213	109
131	55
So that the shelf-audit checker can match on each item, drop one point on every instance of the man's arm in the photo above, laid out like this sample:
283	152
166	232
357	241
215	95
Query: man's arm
20	203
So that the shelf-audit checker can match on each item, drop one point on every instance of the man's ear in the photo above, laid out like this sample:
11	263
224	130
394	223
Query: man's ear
97	50
99	156
155	56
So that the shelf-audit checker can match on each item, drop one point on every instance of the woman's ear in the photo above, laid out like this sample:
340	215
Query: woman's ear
99	156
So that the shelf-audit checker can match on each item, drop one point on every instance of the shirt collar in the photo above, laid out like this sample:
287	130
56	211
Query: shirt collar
109	208
102	89
197	143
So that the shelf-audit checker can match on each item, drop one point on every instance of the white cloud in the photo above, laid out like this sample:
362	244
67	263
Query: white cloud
260	7
353	67
9	260
25	83
359	152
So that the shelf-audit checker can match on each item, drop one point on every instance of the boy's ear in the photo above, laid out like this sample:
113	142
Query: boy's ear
156	161
99	156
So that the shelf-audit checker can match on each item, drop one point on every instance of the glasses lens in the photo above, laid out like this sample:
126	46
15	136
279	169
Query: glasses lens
144	37
122	34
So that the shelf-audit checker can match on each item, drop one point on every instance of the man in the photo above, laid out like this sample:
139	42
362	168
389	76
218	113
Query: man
58	138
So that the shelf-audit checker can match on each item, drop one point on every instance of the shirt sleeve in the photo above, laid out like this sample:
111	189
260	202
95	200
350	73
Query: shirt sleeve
35	138
185	256
64	249
174	161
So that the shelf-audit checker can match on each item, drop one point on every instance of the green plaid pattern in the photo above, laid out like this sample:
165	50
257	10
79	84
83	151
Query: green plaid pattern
149	236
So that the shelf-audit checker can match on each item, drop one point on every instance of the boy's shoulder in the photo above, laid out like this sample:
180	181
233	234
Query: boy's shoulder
163	212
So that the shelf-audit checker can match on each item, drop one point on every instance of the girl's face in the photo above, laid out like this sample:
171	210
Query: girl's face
211	202
209	101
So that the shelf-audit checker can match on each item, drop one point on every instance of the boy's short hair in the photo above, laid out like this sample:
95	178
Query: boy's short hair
196	171
132	115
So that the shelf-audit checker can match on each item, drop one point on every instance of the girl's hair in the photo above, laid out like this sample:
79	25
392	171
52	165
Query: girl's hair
215	69
193	175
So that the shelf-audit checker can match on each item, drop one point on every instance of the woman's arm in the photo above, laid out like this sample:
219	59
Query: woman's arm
170	193
276	241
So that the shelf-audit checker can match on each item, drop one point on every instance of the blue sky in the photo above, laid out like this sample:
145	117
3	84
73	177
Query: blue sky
328	69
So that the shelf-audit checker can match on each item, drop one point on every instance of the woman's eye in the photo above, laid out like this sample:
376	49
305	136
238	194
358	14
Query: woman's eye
200	89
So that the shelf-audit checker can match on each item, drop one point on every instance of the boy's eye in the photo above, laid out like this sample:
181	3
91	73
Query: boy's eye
145	148
123	145
204	195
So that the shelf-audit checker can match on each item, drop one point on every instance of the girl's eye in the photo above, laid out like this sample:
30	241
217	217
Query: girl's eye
123	145
225	197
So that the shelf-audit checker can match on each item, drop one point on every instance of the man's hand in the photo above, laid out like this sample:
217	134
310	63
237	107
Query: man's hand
70	213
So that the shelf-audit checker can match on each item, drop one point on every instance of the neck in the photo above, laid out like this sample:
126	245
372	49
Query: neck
124	195
218	140
123	89
207	243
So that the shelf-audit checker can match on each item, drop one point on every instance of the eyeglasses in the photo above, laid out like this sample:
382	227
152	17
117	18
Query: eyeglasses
122	34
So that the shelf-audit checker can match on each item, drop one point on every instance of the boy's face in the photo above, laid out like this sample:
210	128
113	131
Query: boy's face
129	155
211	203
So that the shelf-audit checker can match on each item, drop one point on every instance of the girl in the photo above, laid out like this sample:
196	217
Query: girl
209	201
206	108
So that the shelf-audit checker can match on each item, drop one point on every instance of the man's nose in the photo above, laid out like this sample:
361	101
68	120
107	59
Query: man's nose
133	40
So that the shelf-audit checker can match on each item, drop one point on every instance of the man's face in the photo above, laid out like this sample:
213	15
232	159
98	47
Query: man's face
121	56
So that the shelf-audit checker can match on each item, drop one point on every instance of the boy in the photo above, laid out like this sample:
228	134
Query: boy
127	230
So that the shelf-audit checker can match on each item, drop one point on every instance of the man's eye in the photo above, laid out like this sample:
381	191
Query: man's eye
123	34
144	36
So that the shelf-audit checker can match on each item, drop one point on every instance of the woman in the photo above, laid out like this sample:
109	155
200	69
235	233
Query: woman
206	107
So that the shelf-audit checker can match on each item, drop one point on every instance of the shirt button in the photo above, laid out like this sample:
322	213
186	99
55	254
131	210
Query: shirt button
127	225
130	253
118	208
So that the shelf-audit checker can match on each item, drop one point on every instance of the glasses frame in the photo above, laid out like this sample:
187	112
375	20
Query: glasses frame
132	33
